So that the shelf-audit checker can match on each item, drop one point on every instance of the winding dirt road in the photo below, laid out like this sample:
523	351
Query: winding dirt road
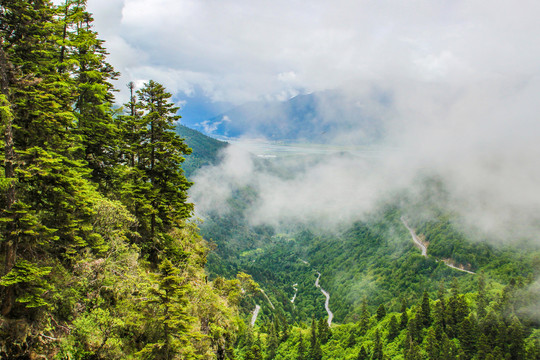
423	247
255	314
295	287
415	238
267	298
449	264
327	302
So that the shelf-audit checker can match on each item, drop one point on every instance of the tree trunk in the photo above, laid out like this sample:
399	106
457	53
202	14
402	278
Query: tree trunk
9	247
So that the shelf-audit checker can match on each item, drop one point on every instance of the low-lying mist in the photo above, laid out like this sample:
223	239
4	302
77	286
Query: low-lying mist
480	141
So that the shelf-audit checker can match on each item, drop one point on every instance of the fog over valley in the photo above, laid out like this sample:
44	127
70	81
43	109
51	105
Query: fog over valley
481	143
450	87
270	179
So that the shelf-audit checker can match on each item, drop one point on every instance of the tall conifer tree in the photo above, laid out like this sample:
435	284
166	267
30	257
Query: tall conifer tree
83	55
160	158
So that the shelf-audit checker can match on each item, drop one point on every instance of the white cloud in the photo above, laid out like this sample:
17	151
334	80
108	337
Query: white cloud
247	49
244	50
462	78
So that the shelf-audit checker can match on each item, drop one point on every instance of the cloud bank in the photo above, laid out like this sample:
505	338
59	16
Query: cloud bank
462	80
240	50
482	141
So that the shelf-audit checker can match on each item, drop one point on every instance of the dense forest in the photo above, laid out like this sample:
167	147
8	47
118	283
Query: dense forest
205	150
383	291
101	257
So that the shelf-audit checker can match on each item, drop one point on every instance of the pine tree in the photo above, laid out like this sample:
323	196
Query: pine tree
351	339
447	348
315	352
169	303
161	159
381	312
516	337
152	183
131	128
432	345
362	354
324	331
411	351
414	329
393	328
533	351
425	310
364	317
457	311
483	347
490	327
497	353
18	19
467	337
377	347
481	301
83	55
50	201
404	319
440	308
440	314
285	331
9	245
272	342
301	349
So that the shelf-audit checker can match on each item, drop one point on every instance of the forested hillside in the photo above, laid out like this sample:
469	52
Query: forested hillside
205	150
99	257
377	278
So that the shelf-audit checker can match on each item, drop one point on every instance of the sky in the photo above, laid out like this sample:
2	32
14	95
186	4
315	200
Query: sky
462	79
236	51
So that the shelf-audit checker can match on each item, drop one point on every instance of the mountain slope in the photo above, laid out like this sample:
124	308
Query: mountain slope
322	117
375	259
204	149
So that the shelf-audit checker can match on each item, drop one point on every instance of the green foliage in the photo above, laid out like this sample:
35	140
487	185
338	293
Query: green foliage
167	307
393	328
31	279
381	312
315	351
473	338
205	150
98	259
503	262
425	310
363	269
152	183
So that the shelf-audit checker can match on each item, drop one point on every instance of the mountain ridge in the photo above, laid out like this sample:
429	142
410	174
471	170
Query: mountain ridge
205	149
320	117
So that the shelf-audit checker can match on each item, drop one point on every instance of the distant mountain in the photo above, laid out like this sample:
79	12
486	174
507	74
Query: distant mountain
322	117
205	149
